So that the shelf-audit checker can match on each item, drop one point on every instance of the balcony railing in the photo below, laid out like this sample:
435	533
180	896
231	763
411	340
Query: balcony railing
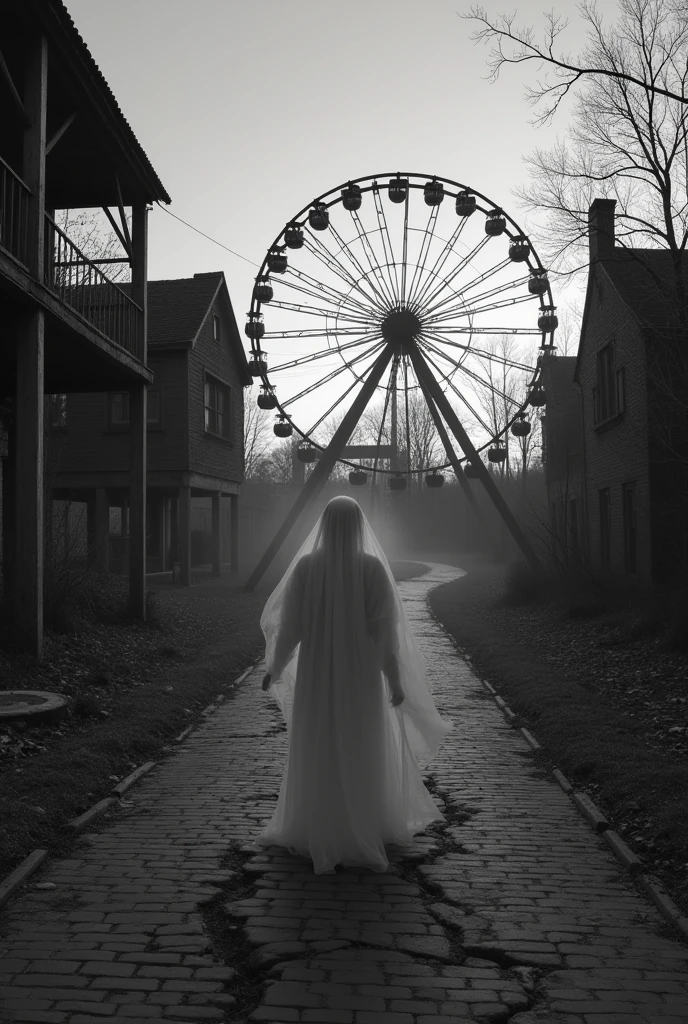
14	212
81	285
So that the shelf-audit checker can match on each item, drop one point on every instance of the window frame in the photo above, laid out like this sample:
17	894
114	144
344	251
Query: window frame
609	391
217	328
121	426
210	379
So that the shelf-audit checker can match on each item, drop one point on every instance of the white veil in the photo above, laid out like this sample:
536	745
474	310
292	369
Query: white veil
343	590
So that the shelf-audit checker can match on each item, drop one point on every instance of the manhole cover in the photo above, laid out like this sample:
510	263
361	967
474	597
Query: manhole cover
30	705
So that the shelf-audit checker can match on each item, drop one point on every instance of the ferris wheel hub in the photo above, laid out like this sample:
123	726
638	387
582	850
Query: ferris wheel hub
400	327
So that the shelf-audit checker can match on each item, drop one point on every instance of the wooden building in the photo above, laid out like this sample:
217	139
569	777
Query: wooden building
195	429
64	327
632	375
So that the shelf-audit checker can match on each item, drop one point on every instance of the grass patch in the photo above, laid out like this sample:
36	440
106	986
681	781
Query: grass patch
591	672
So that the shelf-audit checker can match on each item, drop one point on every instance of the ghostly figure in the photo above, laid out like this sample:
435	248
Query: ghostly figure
343	666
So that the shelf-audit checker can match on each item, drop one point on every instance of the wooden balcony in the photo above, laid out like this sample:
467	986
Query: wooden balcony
14	213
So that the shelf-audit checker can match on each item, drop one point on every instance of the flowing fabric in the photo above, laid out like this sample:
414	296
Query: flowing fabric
334	627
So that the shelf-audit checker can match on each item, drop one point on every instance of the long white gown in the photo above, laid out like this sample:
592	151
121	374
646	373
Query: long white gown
352	782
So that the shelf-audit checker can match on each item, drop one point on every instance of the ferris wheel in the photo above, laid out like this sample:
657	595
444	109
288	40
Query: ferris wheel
392	288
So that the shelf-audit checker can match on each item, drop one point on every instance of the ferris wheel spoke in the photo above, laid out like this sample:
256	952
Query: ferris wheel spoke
361	270
531	332
387	244
346	365
314	356
321	291
442	306
387	294
445	282
424	252
357	380
295	307
314	332
450	383
460	310
482	353
391	383
315	246
404	256
441	260
488	384
406	414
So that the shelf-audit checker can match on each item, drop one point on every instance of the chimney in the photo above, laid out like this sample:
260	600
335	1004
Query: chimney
601	228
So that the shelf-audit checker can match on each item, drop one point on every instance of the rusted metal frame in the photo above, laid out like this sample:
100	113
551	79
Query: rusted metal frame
471	350
56	136
386	245
323	467
470	373
459	292
455	462
424	252
323	291
452	313
448	378
454	274
344	247
344	395
311	357
441	260
333	373
424	375
507	286
385	292
312	332
296	307
315	246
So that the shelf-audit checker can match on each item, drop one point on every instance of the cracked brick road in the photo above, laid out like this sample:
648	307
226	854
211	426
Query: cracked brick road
514	910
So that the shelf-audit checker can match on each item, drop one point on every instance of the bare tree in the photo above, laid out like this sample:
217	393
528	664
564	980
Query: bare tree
91	234
661	25
258	434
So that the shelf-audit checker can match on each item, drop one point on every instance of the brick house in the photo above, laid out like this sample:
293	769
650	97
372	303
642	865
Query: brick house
64	144
631	374
562	459
195	432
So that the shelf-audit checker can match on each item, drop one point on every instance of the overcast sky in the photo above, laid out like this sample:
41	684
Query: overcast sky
248	109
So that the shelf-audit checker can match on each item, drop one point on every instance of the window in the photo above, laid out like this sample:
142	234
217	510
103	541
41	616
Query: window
118	409
608	395
217	407
605	527
630	528
57	412
216	327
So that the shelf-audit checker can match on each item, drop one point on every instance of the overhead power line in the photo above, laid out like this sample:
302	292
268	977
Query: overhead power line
210	239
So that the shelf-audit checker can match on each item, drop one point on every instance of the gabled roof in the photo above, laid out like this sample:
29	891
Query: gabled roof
177	310
56	20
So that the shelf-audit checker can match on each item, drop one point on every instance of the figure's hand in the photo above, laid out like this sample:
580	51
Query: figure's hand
266	680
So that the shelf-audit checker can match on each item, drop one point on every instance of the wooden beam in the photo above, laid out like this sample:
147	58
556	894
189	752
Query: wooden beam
123	242
123	217
28	555
323	467
137	501
14	93
33	156
56	136
425	376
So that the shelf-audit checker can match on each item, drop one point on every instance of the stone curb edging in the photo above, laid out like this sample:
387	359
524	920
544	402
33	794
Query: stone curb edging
20	874
10	884
588	810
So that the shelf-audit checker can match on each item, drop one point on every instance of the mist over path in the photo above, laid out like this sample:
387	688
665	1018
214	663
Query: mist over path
513	909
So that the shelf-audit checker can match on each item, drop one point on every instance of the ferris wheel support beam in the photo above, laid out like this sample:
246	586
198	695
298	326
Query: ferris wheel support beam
325	464
456	466
425	376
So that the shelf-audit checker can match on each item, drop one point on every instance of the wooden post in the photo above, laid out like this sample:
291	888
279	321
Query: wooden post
425	377
215	522
234	533
30	341
323	466
184	535
102	530
138	417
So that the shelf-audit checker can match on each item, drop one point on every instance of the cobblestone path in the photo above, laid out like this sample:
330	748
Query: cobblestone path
512	910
